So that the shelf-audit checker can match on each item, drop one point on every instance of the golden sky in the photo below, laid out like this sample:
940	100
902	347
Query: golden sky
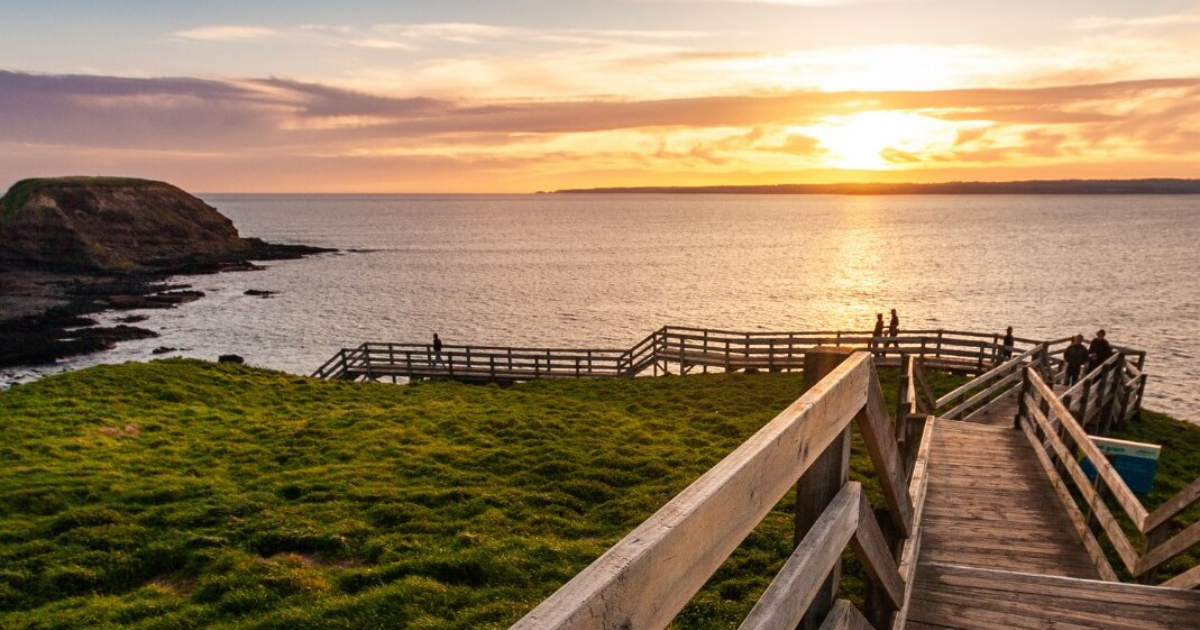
533	95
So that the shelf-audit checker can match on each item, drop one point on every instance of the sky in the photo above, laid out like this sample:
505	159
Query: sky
517	96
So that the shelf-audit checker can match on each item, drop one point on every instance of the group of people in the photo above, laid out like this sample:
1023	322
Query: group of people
893	330
1079	355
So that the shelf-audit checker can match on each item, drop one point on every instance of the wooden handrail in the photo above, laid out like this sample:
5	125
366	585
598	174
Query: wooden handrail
1052	424
646	578
1172	507
1092	376
688	348
983	378
1121	492
782	605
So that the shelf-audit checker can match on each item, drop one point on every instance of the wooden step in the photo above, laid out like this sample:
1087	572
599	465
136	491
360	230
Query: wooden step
953	597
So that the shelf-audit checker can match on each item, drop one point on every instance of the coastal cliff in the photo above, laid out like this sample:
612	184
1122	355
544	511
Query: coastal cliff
73	246
119	225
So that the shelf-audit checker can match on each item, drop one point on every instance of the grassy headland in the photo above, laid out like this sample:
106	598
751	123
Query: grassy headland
182	494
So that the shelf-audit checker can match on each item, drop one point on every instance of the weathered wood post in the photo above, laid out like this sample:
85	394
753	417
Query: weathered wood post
682	363
1154	538
1141	366
791	345
1101	402
1084	395
906	368
1026	387
821	483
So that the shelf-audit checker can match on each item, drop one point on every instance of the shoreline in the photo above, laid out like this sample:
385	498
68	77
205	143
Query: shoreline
48	312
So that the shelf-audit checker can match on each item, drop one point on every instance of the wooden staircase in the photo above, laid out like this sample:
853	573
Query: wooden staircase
973	598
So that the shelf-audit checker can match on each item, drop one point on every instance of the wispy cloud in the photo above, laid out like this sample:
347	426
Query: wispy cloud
1098	22
229	33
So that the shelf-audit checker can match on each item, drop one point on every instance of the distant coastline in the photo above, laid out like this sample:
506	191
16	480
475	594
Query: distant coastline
1030	187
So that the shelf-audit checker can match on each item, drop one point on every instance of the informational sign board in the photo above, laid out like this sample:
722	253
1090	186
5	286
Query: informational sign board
1136	462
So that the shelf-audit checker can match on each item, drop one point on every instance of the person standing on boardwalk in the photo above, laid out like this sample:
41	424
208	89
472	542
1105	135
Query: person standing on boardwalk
1076	356
1006	347
894	329
1099	351
437	349
878	334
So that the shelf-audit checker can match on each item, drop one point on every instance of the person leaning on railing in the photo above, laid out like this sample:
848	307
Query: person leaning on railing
1006	349
1100	350
1076	355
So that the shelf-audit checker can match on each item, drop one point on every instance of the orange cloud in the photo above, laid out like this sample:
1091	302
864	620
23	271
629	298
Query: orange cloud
197	128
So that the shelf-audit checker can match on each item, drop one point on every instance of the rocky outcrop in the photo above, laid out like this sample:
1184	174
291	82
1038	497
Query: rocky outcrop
110	224
106	243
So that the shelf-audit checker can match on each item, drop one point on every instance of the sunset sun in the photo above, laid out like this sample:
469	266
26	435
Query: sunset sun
880	140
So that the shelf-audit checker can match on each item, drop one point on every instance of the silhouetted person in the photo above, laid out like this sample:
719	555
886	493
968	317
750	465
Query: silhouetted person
1099	351
1006	348
437	349
894	329
878	334
1076	356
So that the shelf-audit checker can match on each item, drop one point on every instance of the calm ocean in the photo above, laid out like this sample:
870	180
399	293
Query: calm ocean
605	270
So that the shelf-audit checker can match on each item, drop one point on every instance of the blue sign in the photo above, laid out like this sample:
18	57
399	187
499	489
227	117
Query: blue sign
1136	462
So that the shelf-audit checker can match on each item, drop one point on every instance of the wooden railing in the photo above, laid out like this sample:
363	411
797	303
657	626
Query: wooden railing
645	579
1109	394
977	395
415	361
670	349
1058	434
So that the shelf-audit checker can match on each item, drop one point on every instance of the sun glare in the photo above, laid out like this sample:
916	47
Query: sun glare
880	140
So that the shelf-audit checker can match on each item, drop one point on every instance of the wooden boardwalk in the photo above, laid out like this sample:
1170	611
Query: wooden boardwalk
990	505
998	550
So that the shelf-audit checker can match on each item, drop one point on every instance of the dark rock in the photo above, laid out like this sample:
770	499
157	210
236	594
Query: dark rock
47	344
125	286
260	292
241	266
114	334
169	299
109	242
163	350
261	250
111	224
230	358
133	319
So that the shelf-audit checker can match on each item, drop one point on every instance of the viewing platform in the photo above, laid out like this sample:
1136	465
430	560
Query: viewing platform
988	519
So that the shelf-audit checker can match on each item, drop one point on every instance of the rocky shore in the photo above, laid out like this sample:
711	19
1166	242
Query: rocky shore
71	248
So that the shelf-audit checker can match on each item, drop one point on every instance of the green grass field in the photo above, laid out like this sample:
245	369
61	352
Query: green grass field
183	494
